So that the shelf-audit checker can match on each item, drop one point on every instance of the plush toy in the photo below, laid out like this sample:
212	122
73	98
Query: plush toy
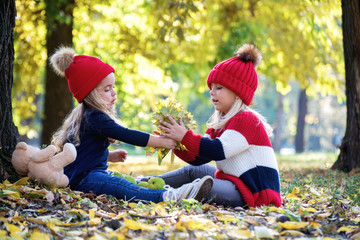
43	165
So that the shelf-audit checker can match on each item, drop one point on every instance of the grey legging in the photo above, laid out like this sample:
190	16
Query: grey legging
223	192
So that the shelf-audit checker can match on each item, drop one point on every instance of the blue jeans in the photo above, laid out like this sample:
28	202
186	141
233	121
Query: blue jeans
223	192
103	182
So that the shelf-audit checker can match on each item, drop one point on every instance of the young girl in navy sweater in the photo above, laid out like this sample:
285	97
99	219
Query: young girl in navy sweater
246	171
92	126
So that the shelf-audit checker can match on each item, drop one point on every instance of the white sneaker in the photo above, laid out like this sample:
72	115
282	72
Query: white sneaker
177	194
197	189
201	188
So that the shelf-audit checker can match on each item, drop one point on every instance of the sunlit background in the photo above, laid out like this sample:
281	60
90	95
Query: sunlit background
166	48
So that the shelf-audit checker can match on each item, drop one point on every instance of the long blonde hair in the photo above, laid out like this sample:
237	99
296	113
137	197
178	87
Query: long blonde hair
70	130
218	120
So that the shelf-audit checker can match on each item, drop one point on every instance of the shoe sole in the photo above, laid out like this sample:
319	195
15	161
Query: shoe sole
206	186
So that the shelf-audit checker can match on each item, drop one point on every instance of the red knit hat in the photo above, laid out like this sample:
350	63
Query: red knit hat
238	73
83	72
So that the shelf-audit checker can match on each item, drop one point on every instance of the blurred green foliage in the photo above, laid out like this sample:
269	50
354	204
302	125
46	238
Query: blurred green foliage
166	49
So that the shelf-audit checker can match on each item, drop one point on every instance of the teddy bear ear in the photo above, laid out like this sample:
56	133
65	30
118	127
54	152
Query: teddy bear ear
21	145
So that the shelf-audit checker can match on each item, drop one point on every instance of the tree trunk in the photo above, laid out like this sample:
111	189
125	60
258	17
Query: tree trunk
8	131
300	127
58	98
278	129
349	157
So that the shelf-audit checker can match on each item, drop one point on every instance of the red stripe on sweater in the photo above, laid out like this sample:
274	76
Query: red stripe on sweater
192	141
264	197
250	127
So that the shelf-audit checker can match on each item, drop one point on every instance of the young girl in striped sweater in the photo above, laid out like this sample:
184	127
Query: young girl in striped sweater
246	171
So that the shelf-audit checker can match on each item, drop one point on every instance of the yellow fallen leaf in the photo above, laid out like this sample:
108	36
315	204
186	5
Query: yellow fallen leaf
345	229
134	225
239	234
310	209
345	201
323	216
11	194
198	223
39	235
294	233
356	220
292	196
12	228
91	214
22	181
315	224
295	190
293	225
160	209
304	211
95	221
42	210
180	226
227	218
53	227
15	236
132	205
3	233
273	209
312	201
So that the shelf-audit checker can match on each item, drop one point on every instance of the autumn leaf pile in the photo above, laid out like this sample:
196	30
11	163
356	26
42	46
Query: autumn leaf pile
171	107
317	205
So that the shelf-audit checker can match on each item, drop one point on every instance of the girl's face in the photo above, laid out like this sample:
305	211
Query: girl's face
222	97
106	89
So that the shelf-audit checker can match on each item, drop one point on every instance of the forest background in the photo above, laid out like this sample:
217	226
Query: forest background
167	48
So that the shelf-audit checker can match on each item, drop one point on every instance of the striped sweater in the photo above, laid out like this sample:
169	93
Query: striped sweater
243	155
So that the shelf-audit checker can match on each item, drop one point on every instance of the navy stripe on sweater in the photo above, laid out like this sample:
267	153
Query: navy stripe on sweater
211	149
261	178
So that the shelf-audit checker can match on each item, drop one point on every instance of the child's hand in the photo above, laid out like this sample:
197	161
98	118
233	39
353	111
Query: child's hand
173	130
117	155
168	143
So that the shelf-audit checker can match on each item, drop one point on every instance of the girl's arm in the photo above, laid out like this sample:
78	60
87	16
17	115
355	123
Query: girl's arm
160	141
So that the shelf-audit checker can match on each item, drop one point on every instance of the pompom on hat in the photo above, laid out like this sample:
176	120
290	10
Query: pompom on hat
83	72
238	73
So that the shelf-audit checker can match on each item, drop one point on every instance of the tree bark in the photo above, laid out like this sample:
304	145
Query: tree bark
349	157
8	131
58	98
300	127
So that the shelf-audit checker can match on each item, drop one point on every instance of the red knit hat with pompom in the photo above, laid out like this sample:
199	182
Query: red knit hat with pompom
83	72
238	73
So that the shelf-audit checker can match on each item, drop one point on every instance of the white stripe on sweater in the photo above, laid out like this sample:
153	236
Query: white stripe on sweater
233	143
254	156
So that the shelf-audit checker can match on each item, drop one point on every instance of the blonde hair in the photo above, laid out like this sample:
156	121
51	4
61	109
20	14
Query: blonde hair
70	130
219	119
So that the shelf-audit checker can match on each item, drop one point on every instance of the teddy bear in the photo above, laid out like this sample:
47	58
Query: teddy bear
43	165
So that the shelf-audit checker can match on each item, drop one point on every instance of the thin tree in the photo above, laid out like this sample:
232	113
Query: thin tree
300	126
349	157
8	131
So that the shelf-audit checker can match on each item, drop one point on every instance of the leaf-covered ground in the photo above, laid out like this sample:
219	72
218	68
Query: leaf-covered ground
318	204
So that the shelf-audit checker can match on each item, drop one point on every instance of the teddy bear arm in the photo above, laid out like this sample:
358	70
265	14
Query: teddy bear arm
44	154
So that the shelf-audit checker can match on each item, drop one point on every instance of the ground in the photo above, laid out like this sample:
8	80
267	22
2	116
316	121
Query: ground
318	203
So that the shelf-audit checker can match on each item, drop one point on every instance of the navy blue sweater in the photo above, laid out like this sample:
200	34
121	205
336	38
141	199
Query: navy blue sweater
92	153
